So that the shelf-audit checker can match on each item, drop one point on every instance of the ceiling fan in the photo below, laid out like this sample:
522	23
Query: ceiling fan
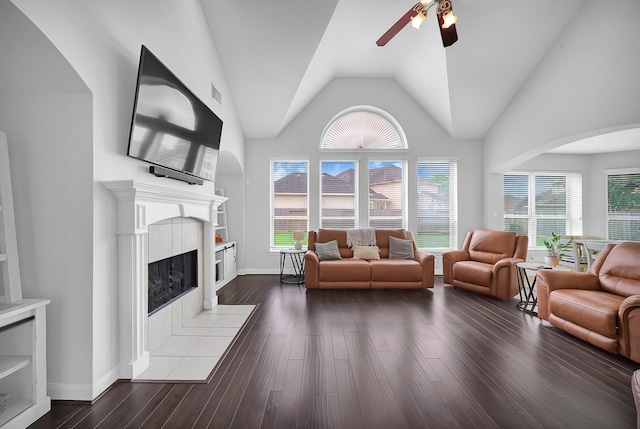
417	14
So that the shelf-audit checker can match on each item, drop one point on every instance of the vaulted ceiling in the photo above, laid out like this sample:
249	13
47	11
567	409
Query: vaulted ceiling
277	56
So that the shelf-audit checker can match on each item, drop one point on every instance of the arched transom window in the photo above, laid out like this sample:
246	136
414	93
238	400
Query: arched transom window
363	127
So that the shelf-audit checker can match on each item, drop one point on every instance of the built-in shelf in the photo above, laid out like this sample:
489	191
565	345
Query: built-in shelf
23	331
13	408
11	364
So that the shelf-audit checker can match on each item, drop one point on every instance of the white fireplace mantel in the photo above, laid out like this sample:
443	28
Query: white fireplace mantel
140	205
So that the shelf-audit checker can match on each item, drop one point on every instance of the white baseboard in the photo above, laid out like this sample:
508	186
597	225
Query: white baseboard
260	271
82	392
70	392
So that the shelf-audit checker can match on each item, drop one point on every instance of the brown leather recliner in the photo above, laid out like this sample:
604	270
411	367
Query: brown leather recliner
486	263
602	306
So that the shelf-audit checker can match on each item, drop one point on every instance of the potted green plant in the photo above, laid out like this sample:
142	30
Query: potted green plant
556	247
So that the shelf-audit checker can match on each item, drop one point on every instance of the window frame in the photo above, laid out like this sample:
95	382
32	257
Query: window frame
573	197
453	202
356	190
404	189
367	109
272	217
608	217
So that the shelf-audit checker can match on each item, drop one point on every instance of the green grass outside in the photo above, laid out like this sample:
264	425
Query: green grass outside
284	239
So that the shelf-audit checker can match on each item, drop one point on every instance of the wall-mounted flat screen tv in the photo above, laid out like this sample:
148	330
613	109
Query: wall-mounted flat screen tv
171	127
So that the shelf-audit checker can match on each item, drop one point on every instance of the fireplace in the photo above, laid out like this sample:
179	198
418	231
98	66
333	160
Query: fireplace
139	206
171	278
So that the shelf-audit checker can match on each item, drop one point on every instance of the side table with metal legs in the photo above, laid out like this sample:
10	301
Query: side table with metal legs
296	258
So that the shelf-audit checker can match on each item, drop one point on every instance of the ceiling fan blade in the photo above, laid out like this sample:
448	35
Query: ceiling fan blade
449	35
399	25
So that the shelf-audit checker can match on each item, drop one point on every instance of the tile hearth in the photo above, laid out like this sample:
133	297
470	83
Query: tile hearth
191	353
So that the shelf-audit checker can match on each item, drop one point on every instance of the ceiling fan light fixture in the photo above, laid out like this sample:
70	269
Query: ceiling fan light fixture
449	19
417	20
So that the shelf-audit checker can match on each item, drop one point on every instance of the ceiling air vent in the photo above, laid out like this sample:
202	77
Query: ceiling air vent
215	94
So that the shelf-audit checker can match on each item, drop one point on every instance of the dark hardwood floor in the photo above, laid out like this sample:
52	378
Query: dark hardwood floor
441	358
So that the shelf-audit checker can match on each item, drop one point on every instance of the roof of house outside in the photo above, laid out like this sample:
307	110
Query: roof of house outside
343	183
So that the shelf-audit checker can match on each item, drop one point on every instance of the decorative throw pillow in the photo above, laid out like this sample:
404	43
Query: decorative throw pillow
400	249
328	251
366	252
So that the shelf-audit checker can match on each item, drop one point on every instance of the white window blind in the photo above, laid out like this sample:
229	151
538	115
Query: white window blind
363	127
437	205
289	201
623	206
339	194
387	192
539	203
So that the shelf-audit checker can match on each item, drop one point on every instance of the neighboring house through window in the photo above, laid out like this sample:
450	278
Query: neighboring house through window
289	201
339	196
373	131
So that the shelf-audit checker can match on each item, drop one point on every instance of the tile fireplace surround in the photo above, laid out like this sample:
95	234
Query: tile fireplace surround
140	205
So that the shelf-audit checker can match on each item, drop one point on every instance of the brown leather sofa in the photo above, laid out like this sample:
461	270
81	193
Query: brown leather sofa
486	263
383	273
601	306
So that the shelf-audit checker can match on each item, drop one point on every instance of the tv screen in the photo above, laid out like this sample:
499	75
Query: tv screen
171	127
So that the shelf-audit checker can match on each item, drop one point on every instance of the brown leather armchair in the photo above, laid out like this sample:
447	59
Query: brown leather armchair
602	306
486	263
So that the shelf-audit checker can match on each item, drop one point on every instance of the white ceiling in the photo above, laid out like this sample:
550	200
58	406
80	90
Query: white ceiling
278	56
285	52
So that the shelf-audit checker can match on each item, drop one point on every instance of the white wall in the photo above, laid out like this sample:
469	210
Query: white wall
585	85
302	139
51	175
101	41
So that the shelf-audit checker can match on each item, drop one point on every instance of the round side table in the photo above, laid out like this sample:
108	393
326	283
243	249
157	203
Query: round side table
296	258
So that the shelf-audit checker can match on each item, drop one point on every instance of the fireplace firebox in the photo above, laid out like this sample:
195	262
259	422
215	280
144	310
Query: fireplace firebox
171	278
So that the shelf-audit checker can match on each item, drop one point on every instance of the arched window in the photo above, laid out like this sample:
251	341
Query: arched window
373	130
363	127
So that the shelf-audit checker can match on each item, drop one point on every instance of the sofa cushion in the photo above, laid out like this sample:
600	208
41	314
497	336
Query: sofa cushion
491	246
473	272
344	271
396	270
400	249
592	309
328	251
366	252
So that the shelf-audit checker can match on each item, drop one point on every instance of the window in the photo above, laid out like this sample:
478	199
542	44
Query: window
363	127
437	205
538	203
387	191
289	201
623	205
338	194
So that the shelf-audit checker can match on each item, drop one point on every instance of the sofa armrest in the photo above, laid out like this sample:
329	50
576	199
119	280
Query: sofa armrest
629	327
450	258
504	283
550	280
311	268
427	260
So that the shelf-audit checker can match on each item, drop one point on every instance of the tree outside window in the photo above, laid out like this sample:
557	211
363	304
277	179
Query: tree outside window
623	206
